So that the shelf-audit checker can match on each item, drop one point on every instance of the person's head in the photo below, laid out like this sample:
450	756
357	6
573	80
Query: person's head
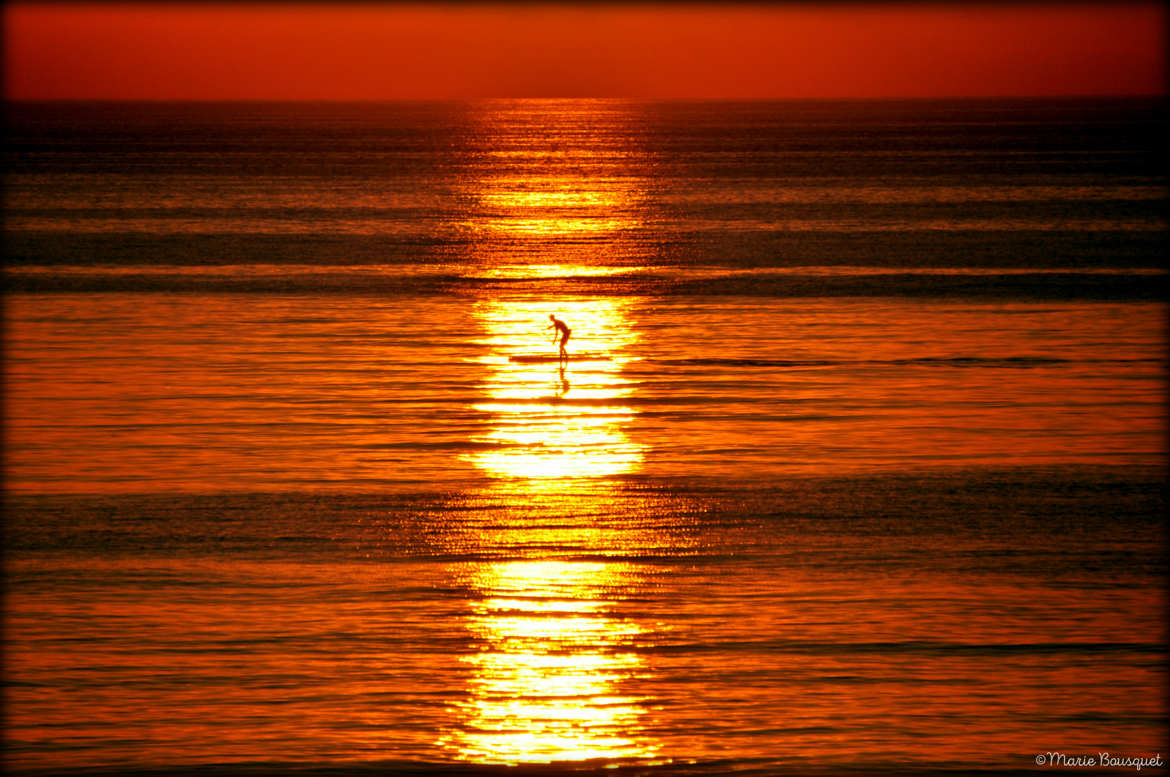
552	317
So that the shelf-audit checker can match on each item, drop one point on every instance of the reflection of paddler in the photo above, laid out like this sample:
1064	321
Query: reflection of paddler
565	332
564	389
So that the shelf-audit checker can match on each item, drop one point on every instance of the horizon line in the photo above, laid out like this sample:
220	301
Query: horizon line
551	98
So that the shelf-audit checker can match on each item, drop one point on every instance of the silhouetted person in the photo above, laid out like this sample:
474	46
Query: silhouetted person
564	331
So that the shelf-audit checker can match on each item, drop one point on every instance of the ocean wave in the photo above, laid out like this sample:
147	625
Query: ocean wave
1043	285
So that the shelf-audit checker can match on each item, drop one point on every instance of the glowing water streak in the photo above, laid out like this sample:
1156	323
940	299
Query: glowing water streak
553	420
546	682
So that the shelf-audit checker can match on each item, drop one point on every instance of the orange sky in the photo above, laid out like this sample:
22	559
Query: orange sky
396	51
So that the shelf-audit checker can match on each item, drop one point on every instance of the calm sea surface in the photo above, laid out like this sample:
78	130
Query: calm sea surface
857	463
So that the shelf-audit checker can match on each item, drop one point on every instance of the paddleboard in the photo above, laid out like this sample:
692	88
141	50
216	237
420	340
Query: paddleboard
541	358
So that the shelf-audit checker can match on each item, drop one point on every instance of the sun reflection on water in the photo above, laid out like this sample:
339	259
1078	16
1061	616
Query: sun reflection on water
546	683
561	182
552	206
557	194
552	419
551	658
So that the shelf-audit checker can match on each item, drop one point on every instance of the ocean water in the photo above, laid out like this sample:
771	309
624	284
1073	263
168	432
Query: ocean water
857	463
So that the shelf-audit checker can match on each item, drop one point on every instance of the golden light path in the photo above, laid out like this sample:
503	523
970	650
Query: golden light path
561	206
554	420
552	654
546	678
545	683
